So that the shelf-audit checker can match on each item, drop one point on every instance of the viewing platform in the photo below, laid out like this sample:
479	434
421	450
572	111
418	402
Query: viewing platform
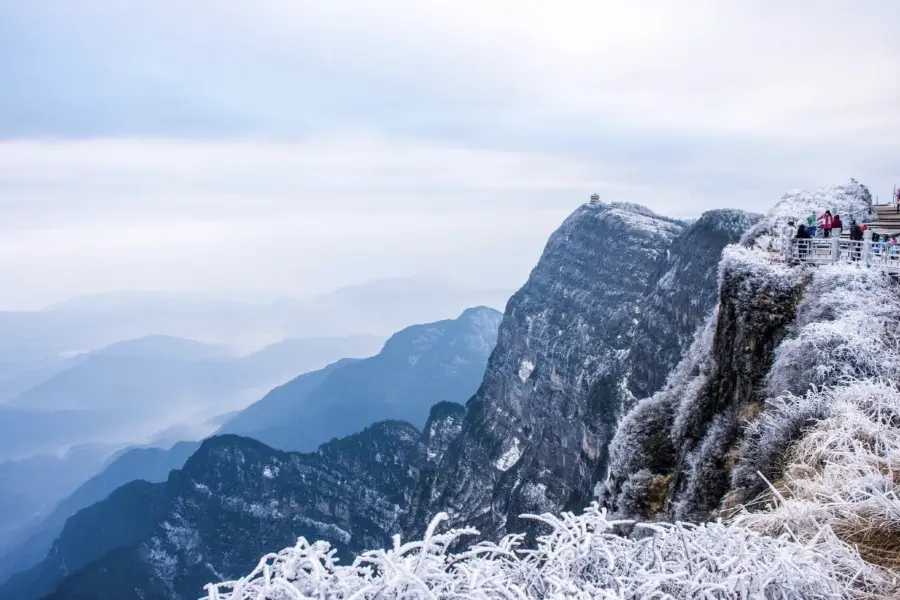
867	253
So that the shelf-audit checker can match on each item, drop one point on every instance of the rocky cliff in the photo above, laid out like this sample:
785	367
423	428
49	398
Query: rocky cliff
695	449
610	308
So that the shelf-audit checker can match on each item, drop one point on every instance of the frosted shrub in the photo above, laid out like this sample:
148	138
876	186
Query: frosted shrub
579	559
843	473
767	440
846	328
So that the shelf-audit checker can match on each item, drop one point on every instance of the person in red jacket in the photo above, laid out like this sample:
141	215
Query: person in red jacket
825	221
837	227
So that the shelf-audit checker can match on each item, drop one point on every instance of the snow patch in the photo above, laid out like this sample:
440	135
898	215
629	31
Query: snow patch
510	457
526	368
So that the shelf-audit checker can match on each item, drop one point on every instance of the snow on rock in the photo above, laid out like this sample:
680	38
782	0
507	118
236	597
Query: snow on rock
526	368
590	329
510	457
783	416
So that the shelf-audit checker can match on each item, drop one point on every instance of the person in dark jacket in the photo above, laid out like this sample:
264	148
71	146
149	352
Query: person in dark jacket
856	235
803	246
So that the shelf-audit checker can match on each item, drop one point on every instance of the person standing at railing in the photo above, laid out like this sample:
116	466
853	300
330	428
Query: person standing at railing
878	247
856	236
811	225
825	220
837	228
803	241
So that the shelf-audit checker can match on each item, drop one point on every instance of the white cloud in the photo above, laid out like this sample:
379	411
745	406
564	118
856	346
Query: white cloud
218	141
96	215
52	182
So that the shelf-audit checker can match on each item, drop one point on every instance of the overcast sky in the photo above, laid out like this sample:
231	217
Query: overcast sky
299	145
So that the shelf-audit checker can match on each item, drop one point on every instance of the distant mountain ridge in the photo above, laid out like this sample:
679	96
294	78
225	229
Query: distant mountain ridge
417	368
377	308
139	387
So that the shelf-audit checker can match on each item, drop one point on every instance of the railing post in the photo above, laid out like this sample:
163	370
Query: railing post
835	249
867	247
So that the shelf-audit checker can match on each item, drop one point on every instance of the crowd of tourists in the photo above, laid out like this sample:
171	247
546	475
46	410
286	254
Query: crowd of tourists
824	226
828	225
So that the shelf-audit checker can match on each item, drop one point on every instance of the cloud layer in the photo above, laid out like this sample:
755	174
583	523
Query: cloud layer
207	143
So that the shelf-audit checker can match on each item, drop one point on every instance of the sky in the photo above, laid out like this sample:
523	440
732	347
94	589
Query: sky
301	145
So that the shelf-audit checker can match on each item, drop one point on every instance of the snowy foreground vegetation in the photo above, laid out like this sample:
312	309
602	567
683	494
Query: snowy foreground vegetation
824	450
581	558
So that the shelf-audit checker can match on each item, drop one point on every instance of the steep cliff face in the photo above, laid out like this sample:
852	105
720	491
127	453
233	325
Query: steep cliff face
615	284
691	449
682	293
236	499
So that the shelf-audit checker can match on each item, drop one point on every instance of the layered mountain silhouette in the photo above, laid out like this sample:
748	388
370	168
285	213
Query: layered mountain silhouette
126	392
417	368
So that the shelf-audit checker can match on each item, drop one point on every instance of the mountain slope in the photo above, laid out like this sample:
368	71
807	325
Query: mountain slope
147	464
128	515
608	285
30	487
417	367
236	498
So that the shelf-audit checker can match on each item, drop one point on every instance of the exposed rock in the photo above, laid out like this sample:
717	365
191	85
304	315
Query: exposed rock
609	309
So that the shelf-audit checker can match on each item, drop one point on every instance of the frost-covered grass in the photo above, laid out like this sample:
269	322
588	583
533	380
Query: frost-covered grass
580	558
842	475
846	328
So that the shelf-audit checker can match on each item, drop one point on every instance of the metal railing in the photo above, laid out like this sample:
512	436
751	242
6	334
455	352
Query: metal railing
822	251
